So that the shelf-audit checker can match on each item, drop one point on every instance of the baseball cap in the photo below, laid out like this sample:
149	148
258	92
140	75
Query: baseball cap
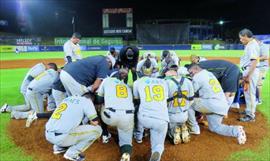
112	59
77	35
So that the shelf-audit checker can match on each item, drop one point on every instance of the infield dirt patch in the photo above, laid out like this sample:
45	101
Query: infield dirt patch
207	146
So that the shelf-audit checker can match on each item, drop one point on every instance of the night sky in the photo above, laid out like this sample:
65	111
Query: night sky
53	17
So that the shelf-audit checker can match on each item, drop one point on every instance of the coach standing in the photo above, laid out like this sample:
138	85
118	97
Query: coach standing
85	75
72	48
249	64
129	57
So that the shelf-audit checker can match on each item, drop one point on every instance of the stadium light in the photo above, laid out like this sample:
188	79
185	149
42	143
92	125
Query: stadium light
221	22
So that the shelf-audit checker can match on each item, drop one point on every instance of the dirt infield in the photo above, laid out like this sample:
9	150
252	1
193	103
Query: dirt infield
205	147
12	64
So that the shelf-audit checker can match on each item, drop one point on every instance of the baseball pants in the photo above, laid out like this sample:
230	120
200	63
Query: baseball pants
71	86
78	139
158	130
123	121
250	93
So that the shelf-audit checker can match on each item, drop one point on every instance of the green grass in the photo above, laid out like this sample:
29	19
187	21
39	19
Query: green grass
47	55
10	80
9	92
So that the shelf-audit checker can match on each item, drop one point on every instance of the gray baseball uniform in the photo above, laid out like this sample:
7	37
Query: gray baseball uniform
178	108
251	52
153	65
64	130
212	102
153	111
119	108
264	64
72	50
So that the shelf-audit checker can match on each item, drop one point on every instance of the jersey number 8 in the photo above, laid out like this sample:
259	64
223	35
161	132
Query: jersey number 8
121	91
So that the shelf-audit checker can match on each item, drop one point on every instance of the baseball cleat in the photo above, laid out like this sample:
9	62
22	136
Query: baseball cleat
177	135
31	118
58	150
235	105
242	138
125	157
106	138
185	134
155	156
4	108
139	141
247	119
80	157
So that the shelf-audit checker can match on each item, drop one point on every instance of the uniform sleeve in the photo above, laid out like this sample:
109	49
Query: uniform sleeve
196	86
191	89
102	69
135	90
68	50
252	52
89	110
101	89
37	69
265	50
154	62
139	66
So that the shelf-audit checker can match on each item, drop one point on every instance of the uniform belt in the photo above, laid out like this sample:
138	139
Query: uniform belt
127	111
55	133
31	89
244	68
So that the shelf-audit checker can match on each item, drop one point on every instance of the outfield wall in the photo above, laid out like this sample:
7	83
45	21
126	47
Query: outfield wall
36	48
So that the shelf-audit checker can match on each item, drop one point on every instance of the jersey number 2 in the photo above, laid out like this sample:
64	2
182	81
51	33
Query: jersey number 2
58	112
215	85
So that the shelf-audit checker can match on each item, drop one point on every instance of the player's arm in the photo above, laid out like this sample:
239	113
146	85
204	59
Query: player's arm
102	72
253	63
136	96
68	53
90	112
100	93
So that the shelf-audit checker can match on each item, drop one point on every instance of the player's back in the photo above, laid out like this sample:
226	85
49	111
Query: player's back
69	114
208	86
153	94
34	72
179	104
44	81
117	94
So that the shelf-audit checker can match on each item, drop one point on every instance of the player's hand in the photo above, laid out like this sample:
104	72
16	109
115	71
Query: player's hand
94	123
246	79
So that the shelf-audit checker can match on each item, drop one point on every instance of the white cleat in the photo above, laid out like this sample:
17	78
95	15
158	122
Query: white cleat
242	138
125	157
31	118
106	138
177	135
185	134
4	108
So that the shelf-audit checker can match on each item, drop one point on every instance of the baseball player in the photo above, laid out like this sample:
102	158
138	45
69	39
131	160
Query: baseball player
128	58
85	75
227	73
196	59
72	48
211	102
64	131
180	98
34	72
147	60
168	58
151	95
118	110
250	66
264	66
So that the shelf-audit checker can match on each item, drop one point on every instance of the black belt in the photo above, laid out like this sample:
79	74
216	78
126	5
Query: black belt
31	89
127	111
55	133
244	68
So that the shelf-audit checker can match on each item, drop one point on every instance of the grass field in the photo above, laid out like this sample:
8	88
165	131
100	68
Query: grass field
183	53
10	80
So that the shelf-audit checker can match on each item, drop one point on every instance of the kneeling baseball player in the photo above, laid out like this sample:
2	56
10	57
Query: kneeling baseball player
211	102
118	110
180	98
64	131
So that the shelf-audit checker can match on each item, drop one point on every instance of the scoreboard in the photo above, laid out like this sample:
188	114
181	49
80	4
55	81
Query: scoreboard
117	21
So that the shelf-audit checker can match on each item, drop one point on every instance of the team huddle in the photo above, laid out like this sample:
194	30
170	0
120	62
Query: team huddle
89	94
